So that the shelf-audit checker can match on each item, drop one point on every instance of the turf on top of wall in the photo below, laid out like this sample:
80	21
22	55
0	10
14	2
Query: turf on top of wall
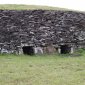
28	7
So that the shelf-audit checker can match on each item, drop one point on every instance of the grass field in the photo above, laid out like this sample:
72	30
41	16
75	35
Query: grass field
42	70
28	7
33	7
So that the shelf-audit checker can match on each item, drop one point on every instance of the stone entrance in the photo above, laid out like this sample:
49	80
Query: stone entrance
65	49
28	50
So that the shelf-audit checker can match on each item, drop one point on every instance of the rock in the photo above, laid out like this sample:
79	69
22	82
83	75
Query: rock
41	27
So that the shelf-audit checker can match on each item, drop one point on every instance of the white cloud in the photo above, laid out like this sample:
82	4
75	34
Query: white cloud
71	4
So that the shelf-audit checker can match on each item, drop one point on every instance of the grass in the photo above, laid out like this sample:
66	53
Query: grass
33	7
42	70
28	7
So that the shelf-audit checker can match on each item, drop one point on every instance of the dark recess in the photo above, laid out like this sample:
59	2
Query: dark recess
65	49
28	50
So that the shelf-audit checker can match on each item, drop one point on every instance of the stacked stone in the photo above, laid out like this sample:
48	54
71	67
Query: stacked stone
41	27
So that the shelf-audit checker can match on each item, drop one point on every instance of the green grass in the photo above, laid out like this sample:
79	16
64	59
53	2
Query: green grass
42	70
33	7
28	7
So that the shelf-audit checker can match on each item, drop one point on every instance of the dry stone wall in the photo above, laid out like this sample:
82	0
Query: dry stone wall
40	28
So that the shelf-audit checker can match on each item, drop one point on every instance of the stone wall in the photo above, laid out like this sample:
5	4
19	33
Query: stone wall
40	28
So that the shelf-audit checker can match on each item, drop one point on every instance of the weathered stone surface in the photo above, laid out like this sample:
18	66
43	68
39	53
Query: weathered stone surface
40	28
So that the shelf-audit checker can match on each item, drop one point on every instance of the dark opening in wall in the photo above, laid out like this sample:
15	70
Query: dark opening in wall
28	50
65	49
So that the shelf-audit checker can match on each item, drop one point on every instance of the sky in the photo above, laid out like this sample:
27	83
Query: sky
70	4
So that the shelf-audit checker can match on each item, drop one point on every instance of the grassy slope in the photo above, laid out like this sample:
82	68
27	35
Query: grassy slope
28	7
42	70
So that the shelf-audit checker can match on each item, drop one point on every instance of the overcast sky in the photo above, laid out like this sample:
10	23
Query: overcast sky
71	4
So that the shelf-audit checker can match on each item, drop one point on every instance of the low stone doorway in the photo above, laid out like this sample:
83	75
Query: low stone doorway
28	50
65	49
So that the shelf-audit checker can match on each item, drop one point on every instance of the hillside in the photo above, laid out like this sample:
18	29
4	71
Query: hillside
28	7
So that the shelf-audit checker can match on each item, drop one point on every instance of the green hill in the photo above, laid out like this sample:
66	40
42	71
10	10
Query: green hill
32	7
28	7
